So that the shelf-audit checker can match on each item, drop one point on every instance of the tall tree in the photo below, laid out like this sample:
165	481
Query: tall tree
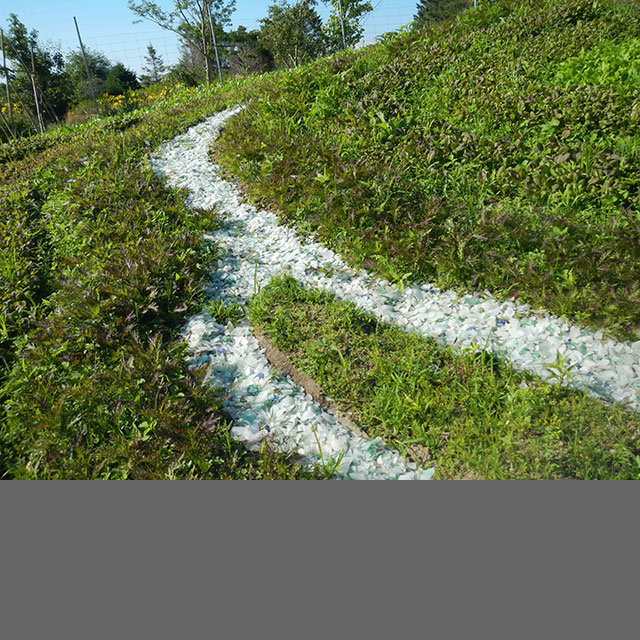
154	67
48	71
76	73
190	69
432	11
246	54
293	33
344	26
191	20
120	80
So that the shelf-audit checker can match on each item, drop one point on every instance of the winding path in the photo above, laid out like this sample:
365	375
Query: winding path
261	401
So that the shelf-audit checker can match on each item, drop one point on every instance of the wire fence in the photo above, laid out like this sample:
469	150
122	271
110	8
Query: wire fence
387	15
130	48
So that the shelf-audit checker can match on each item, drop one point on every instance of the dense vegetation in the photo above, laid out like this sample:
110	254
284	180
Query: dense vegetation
60	81
100	265
500	150
289	35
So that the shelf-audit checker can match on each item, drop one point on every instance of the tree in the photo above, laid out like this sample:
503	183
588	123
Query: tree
120	80
49	77
190	67
191	19
432	11
76	73
154	67
347	15
293	33
247	55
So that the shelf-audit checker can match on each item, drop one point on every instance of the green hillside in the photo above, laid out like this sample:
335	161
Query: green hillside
500	151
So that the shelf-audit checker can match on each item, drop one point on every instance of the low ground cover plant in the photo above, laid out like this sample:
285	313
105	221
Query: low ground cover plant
496	151
100	265
472	415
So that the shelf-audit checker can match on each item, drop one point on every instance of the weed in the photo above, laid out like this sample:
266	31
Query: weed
559	370
327	467
225	312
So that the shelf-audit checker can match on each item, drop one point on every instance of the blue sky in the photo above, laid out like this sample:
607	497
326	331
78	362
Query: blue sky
106	25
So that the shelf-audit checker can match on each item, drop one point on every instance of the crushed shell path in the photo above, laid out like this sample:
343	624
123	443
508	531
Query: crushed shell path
263	402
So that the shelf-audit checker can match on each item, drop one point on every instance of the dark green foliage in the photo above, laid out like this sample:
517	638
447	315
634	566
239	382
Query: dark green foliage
190	69
76	74
431	11
250	58
154	67
479	154
470	415
247	55
49	72
120	80
292	32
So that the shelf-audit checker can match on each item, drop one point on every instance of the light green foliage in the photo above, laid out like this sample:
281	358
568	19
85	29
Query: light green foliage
352	12
612	63
226	312
292	32
472	415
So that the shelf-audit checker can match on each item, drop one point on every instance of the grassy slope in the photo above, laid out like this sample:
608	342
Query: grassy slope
474	154
472	415
500	151
100	266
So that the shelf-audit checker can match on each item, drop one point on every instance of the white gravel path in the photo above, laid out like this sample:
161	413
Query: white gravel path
258	248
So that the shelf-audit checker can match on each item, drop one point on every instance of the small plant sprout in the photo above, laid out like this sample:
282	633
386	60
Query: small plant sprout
559	370
342	360
330	466
225	312
256	284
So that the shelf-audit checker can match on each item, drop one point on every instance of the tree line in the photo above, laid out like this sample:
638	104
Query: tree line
291	34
